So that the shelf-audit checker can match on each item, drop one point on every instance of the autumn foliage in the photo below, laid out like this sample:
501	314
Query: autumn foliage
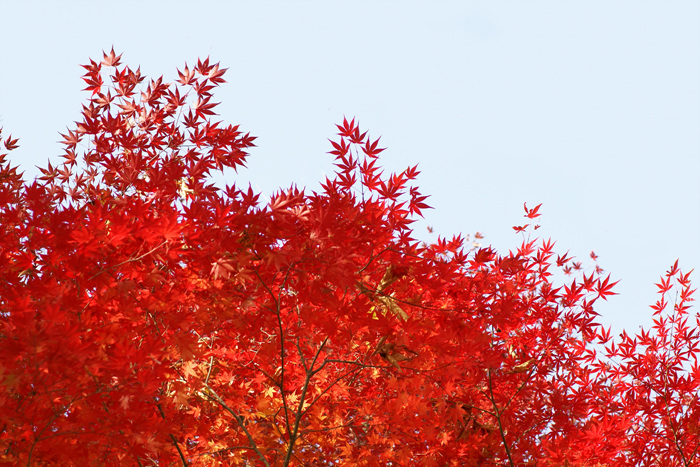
149	317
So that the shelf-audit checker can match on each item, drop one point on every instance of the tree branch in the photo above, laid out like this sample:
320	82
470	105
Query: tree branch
213	395
498	419
310	372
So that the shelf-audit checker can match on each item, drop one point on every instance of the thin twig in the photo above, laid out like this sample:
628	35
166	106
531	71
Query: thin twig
498	419
213	395
310	372
179	451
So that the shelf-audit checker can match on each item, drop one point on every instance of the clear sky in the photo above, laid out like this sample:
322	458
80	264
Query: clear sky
591	108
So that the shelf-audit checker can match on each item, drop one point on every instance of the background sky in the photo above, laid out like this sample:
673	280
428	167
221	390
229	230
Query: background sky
591	108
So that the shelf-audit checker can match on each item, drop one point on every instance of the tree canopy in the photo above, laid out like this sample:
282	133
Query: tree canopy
149	317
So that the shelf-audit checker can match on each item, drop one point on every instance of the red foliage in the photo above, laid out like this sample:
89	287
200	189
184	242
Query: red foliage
151	318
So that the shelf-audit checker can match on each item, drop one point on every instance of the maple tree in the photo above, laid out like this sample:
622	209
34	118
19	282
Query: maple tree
150	317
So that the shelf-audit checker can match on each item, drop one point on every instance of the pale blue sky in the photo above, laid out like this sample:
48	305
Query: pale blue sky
591	108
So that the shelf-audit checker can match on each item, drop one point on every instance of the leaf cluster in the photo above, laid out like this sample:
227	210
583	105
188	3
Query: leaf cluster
149	317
